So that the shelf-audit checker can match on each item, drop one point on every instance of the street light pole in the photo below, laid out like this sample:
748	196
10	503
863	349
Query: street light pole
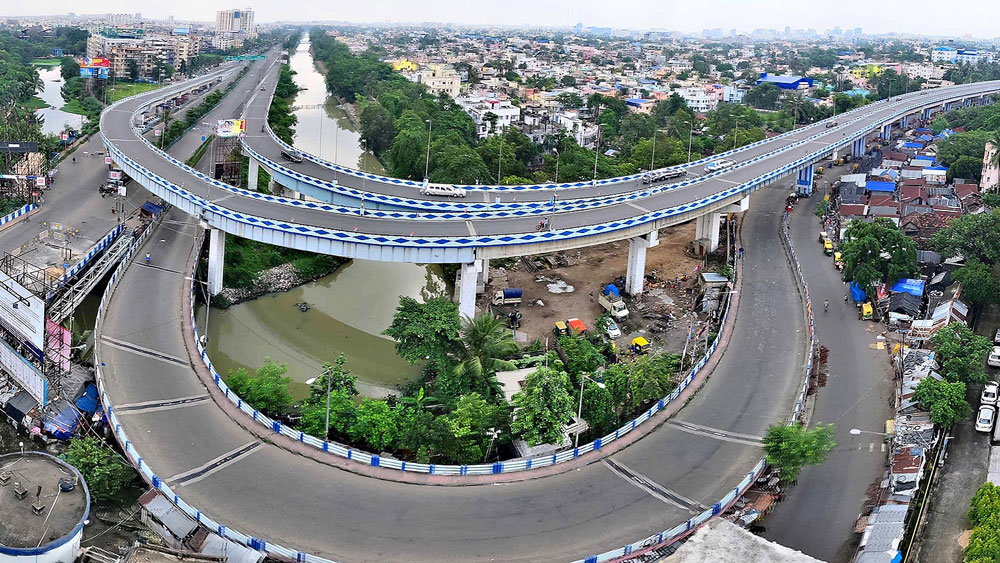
557	166
652	158
736	133
312	380
427	162
500	157
597	151
579	410
690	135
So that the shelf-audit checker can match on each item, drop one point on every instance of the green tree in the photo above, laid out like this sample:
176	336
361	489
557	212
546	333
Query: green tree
455	162
342	414
985	503
542	407
979	285
598	408
791	447
877	252
939	124
103	470
475	427
795	105
425	331
480	353
132	67
581	354
266	391
378	128
68	68
970	143
945	401
972	236
763	96
340	377
376	424
966	167
961	353
570	100
984	543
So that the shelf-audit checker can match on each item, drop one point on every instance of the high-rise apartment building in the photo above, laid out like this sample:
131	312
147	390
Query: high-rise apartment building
232	27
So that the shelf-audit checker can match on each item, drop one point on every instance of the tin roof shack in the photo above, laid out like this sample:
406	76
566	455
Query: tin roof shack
182	532
713	286
34	527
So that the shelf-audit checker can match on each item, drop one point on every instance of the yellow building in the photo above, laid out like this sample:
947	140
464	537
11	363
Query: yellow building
404	64
867	71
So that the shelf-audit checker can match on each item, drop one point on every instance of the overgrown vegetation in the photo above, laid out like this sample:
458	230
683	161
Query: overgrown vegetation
247	259
984	514
280	116
104	470
791	447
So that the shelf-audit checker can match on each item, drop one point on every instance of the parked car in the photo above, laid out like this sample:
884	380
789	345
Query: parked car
994	359
612	330
996	337
831	124
985	418
989	395
291	155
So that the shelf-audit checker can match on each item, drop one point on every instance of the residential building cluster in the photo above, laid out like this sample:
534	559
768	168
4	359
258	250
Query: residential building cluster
120	45
540	81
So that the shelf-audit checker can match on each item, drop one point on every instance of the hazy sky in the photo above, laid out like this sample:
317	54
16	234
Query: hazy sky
976	17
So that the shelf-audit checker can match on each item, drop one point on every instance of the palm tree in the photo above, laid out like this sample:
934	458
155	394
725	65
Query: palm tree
484	342
796	106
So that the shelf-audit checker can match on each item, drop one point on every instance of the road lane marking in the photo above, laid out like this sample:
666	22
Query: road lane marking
653	488
213	466
639	207
161	268
736	437
472	230
143	351
154	406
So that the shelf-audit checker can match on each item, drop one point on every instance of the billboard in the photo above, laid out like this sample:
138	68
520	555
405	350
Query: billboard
95	67
25	373
231	127
58	350
22	312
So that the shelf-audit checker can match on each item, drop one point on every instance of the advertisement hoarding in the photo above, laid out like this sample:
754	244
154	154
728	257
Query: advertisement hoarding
25	373
58	349
231	127
22	312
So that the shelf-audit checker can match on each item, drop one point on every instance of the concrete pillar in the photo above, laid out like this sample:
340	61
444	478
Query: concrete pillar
636	272
467	277
707	227
273	187
886	131
253	174
926	114
858	148
216	258
804	184
483	276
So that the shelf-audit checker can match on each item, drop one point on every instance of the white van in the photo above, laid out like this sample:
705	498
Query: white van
719	165
436	189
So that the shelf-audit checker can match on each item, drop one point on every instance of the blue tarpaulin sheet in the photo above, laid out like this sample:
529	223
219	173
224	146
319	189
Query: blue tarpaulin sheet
921	129
857	294
611	289
911	286
152	208
880	186
87	402
63	425
913	145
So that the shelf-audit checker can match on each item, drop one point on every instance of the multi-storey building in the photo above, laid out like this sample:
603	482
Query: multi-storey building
440	79
479	109
145	51
233	27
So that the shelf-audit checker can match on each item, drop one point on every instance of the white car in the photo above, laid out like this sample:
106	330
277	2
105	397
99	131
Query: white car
985	417
996	337
612	330
719	165
989	396
994	359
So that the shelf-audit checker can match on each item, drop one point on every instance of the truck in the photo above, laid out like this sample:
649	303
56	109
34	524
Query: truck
612	302
654	176
507	296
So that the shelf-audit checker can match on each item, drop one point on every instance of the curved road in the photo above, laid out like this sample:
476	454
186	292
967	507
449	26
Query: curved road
261	489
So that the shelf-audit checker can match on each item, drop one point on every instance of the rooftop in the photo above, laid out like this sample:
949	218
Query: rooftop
38	474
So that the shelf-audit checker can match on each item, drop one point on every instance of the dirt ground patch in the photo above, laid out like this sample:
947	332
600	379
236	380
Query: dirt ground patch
662	314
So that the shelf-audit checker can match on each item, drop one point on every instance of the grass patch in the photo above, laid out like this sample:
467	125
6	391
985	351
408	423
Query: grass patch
46	61
246	259
35	103
199	152
74	106
126	89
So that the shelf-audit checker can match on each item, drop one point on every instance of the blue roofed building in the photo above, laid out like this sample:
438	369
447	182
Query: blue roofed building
786	82
640	105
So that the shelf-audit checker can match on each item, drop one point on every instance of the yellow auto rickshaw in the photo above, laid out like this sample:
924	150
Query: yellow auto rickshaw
827	247
640	345
838	261
867	313
560	328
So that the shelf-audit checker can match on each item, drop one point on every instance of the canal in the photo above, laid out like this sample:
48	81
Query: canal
349	308
56	119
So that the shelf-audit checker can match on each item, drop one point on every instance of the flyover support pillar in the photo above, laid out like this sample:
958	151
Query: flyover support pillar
707	227
905	122
886	132
483	277
636	273
468	276
216	258
858	148
926	114
804	184
254	172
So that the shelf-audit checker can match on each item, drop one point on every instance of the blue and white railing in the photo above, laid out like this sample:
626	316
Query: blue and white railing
17	213
96	249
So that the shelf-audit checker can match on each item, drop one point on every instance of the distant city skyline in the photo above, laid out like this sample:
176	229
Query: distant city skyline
976	18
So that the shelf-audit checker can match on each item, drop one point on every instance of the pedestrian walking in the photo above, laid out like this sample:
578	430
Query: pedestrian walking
147	258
